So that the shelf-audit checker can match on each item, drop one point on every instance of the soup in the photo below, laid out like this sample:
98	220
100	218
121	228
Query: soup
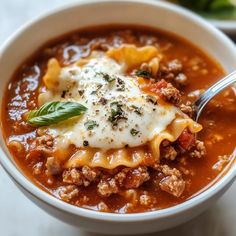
102	118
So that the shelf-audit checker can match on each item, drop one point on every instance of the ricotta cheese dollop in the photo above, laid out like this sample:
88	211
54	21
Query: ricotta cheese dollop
118	112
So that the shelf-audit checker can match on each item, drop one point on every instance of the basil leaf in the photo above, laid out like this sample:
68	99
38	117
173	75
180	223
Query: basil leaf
54	112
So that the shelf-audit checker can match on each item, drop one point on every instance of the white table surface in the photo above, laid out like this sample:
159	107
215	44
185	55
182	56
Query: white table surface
20	217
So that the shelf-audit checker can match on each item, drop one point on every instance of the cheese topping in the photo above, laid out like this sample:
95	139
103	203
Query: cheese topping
119	113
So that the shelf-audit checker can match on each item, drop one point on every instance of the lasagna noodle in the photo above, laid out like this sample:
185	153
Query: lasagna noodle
50	79
121	157
131	56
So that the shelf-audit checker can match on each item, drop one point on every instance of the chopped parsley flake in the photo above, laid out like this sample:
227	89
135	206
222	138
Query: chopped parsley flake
143	73
90	124
134	132
117	113
152	99
107	77
120	85
137	110
98	87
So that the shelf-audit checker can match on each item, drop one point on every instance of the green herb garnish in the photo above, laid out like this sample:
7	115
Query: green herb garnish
218	9
98	87
143	73
107	77
134	132
117	113
90	124
120	85
137	110
54	112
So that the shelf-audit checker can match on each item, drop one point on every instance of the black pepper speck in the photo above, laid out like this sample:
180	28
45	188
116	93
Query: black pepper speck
86	143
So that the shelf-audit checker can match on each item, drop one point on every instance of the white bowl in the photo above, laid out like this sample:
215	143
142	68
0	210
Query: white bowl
151	13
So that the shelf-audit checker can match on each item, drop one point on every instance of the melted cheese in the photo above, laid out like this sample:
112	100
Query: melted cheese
120	157
98	82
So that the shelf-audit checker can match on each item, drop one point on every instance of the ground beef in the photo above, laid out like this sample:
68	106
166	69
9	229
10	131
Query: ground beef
173	185
84	177
68	192
166	170
171	94
127	178
89	173
72	176
53	166
199	150
171	180
106	187
18	126
168	152
171	69
42	144
187	109
120	177
173	72
181	80
136	177
174	66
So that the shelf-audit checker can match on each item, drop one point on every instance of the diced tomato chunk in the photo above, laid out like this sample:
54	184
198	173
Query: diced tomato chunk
186	139
156	87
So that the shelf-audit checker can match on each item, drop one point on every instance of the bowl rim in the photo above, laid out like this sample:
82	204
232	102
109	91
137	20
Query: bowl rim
52	201
228	26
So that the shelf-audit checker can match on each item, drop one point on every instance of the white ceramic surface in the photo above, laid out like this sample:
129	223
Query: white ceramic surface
228	26
219	55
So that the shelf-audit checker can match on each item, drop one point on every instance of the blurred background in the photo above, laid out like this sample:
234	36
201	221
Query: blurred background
18	216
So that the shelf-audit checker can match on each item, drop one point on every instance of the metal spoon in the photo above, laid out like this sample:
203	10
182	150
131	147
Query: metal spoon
212	92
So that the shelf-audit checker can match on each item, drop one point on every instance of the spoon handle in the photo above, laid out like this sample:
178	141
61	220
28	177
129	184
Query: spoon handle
213	91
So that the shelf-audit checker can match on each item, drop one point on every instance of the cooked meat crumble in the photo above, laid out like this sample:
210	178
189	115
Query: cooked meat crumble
84	177
171	94
136	177
69	192
53	166
199	150
169	152
187	109
106	187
